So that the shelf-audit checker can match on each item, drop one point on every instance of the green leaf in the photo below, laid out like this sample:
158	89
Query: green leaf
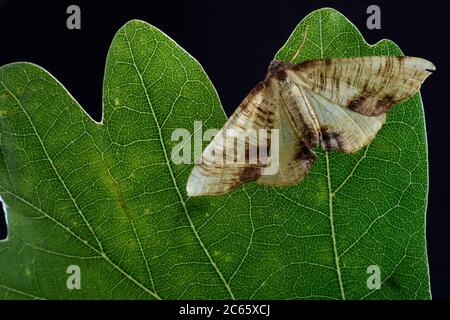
107	198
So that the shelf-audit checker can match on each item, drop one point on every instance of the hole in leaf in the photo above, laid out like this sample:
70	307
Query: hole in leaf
3	226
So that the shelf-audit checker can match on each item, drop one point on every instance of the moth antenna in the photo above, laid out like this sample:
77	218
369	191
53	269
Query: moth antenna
301	45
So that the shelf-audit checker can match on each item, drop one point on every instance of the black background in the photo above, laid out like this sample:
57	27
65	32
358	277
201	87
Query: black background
235	41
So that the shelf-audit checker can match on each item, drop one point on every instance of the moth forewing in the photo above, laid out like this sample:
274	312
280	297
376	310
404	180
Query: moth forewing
368	85
232	157
269	151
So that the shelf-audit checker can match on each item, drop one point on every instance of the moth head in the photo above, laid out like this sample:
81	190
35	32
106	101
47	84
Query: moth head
277	69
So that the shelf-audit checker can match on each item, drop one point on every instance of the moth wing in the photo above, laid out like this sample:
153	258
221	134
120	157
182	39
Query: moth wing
350	96
367	85
341	128
214	175
295	158
260	110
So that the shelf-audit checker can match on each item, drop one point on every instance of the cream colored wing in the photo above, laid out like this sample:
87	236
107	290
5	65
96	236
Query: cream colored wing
349	97
261	109
368	85
318	120
216	174
341	128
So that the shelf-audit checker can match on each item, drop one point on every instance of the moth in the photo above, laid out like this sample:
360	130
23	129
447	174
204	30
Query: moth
340	104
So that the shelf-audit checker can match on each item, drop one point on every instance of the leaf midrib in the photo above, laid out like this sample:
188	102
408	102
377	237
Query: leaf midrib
330	192
166	157
333	231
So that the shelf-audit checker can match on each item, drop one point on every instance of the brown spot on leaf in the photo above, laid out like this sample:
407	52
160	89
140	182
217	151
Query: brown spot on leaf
393	283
